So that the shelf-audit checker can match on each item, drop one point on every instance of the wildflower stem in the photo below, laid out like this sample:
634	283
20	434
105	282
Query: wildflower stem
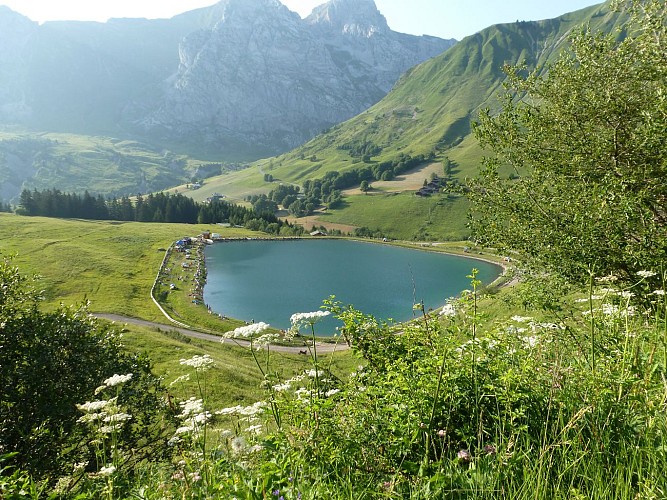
436	395
592	319
317	368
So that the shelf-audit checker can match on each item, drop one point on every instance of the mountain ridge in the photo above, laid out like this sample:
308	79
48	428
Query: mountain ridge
186	79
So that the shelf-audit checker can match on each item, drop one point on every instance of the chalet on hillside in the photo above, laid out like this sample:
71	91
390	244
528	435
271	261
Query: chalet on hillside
432	187
214	198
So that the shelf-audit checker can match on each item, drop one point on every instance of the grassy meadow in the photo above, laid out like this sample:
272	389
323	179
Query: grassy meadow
437	218
235	379
111	264
114	265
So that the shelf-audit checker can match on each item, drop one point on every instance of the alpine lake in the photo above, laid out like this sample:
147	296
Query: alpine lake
263	280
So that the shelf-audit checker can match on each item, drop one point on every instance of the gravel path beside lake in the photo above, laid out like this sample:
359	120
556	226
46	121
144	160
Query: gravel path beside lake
322	347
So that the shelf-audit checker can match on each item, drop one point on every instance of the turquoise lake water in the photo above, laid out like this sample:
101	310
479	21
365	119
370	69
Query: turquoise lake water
270	280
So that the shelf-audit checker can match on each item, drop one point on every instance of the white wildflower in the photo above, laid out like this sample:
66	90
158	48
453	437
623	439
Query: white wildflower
91	417
282	387
246	331
117	417
309	318
264	340
117	379
607	279
93	406
191	407
448	310
199	362
609	309
229	411
255	448
531	341
521	319
253	409
312	373
331	392
256	429
184	429
301	392
200	418
238	444
111	429
646	274
627	295
658	292
107	470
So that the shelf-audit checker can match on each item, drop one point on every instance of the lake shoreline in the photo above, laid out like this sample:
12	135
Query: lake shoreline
428	291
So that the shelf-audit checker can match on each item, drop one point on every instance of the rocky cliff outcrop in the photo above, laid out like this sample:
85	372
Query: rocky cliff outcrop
242	74
16	32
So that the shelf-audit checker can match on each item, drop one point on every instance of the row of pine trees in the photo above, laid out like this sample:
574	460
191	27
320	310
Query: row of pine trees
160	207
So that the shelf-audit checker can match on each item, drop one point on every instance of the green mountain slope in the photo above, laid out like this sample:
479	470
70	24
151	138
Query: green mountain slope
429	112
75	163
431	108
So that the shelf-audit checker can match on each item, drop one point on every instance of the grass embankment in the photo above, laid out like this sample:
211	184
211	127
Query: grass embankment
114	266
111	264
235	378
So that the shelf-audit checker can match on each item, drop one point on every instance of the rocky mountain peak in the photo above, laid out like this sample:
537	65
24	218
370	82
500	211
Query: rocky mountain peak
349	17
10	20
233	10
240	75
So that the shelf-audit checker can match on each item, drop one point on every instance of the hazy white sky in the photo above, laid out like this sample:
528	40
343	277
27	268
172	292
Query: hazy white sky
444	18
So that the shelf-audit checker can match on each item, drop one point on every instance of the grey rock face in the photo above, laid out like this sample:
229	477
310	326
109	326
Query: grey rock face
239	72
263	75
16	33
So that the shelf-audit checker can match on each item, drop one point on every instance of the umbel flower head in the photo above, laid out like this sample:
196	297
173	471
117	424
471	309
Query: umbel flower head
244	332
117	379
200	363
309	318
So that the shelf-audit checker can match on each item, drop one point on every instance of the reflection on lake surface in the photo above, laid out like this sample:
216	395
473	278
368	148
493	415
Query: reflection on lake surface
270	280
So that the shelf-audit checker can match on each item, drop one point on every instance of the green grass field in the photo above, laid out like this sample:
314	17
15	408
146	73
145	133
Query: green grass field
235	378
111	264
114	265
432	218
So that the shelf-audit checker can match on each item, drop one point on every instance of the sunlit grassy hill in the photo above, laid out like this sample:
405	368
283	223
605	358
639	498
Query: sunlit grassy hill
104	165
433	105
429	112
111	264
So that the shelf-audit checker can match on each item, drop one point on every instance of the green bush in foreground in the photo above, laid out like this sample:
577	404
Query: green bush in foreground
573	408
49	362
585	141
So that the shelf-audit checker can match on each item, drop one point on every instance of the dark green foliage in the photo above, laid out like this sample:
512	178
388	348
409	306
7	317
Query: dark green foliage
160	207
361	149
50	361
262	204
586	147
282	192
